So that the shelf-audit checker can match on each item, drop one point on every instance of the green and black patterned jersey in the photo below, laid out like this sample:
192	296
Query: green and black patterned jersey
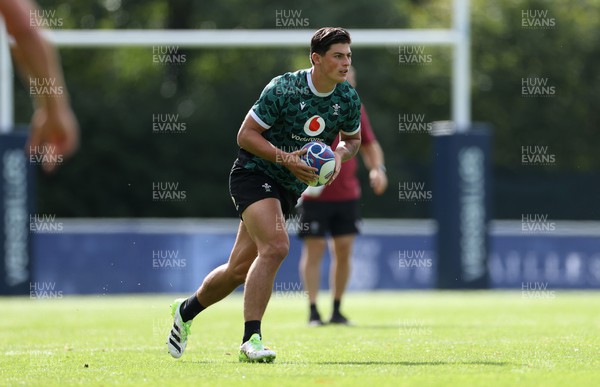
294	113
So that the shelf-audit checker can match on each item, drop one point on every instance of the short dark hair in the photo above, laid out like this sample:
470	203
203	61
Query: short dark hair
323	38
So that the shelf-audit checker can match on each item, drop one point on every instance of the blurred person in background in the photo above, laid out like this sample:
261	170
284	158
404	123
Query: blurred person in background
333	210
54	128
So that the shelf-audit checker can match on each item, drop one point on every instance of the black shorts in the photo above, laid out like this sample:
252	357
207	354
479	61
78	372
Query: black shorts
247	187
335	218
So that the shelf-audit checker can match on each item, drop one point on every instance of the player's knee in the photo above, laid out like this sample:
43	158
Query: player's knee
239	272
315	247
343	251
276	250
313	259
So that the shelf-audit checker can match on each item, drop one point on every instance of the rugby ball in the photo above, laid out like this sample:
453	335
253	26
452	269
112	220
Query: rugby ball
319	155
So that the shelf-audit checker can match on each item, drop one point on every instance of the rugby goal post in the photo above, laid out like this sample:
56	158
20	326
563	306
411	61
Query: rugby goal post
458	38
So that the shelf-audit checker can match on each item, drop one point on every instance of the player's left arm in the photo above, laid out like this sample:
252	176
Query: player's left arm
372	156
350	137
346	149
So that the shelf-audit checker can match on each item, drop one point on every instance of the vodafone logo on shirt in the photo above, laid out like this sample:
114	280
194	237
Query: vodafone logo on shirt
314	126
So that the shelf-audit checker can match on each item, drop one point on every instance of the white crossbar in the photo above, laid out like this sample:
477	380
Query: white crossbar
241	38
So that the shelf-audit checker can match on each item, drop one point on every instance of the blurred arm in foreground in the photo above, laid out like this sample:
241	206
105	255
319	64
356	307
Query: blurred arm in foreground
54	128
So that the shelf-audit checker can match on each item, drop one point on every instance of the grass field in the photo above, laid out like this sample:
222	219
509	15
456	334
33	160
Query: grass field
411	338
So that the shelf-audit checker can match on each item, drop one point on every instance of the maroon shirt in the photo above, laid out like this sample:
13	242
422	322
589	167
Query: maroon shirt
346	186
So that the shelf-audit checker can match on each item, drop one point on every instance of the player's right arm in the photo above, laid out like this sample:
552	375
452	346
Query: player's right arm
250	138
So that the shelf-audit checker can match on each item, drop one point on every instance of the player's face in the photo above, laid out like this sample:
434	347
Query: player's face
336	62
